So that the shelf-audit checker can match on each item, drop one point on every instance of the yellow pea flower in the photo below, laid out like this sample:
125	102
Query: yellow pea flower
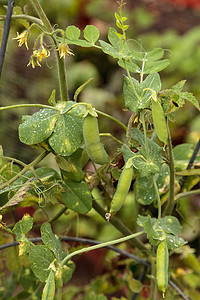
22	38
64	49
42	52
34	62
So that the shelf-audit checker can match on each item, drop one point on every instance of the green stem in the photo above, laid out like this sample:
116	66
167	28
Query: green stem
17	161
42	15
24	17
121	227
130	80
120	240
28	105
110	135
25	169
186	194
170	204
145	134
158	202
58	215
59	293
60	61
111	118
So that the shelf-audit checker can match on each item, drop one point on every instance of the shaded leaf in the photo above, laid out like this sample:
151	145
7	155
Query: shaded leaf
52	241
40	258
77	196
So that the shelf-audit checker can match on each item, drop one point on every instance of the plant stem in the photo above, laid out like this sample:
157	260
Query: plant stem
59	293
121	227
111	118
186	194
58	215
131	82
24	17
28	105
145	134
158	202
120	240
25	169
42	15
170	204
110	135
60	61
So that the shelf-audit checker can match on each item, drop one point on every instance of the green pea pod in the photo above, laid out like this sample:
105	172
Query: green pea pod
123	187
162	262
94	148
49	288
159	121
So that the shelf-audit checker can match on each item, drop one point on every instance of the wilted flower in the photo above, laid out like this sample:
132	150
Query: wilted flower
64	49
34	62
40	53
22	38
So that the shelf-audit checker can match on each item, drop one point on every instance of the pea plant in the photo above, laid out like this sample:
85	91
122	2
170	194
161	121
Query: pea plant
145	164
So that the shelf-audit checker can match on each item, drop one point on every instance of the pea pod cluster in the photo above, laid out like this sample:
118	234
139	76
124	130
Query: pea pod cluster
123	187
162	262
94	148
159	121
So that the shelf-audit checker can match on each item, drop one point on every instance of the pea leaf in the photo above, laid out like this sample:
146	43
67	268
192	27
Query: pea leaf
77	196
169	225
156	66
49	288
72	32
137	95
20	229
116	48
145	193
132	67
143	163
182	154
71	166
52	241
67	136
155	54
91	34
67	271
38	127
23	226
40	259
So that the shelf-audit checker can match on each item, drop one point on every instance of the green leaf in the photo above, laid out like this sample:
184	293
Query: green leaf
49	288
17	10
71	167
169	225
23	226
155	54
139	97
132	67
81	43
152	67
191	98
67	271
38	127
91	34
67	136
182	154
40	259
52	241
118	49
52	98
77	196
72	32
145	165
